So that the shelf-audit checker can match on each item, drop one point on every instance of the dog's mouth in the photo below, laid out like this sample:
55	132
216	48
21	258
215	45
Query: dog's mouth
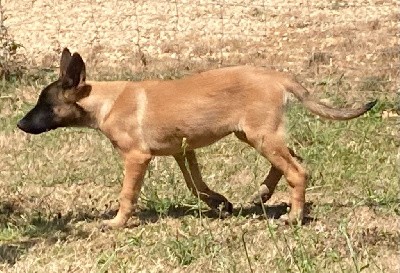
24	126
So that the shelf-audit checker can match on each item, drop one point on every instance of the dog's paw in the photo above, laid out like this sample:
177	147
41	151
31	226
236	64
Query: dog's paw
117	223
114	223
291	219
262	196
111	224
219	203
224	209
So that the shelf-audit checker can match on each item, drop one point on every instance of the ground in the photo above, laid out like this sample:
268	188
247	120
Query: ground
56	188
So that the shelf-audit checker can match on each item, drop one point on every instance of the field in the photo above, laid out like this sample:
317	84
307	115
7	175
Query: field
56	188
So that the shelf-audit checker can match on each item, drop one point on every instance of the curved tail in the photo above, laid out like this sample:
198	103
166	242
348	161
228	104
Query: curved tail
321	109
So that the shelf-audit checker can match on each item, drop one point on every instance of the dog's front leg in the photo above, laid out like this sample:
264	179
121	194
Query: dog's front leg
136	164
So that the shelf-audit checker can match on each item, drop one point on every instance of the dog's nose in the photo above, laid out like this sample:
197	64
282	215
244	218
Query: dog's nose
21	124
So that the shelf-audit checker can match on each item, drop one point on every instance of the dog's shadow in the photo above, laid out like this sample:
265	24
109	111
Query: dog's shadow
151	215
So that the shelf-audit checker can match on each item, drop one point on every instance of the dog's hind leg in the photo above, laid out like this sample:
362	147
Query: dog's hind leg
195	183
269	184
267	187
270	143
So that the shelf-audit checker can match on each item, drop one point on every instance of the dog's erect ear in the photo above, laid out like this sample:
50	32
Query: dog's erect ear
75	74
64	62
73	81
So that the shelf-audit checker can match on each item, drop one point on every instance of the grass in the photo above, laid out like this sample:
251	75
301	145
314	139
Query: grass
56	188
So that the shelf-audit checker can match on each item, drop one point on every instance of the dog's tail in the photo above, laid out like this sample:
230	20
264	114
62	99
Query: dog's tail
320	109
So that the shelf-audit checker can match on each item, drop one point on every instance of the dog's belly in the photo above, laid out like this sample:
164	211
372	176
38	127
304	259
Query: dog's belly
178	141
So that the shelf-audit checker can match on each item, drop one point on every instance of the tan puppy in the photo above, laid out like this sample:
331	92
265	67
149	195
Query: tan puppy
158	118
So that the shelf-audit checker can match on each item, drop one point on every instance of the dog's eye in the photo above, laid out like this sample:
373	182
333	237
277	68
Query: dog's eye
61	111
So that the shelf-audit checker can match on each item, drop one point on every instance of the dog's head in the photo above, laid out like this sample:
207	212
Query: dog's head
57	104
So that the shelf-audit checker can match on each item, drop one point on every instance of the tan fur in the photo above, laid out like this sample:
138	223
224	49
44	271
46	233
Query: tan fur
152	118
158	118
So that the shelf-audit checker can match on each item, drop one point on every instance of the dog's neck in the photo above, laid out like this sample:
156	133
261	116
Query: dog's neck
98	104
